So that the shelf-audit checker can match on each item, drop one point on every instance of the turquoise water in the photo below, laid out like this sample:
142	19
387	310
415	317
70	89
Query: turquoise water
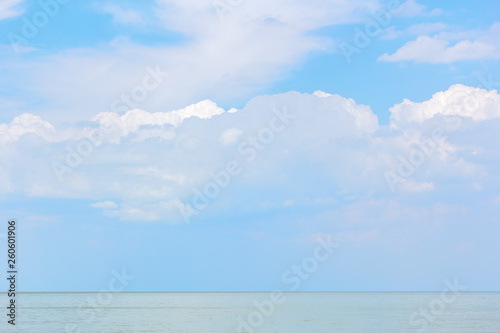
226	312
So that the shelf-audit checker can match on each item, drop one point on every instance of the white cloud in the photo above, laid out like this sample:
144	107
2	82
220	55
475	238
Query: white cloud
391	33
121	15
225	59
23	124
427	28
332	146
134	119
435	50
420	29
322	94
412	186
112	124
10	8
230	136
412	8
149	211
459	100
104	205
195	17
357	238
439	49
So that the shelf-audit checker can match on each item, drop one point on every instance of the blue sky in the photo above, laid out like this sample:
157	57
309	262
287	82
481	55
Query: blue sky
174	90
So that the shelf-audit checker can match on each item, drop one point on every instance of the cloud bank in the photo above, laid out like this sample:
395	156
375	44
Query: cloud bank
143	166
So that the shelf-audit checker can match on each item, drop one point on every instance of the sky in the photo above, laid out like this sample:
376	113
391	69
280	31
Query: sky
200	145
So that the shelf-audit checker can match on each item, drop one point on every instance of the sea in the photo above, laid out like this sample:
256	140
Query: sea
266	312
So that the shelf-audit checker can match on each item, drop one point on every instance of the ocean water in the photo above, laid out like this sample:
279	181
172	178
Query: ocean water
347	312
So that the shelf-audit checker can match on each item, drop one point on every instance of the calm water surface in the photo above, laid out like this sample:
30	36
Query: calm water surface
226	312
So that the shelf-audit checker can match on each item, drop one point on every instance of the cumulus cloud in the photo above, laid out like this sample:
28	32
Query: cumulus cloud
160	172
459	100
132	120
113	124
23	124
440	49
329	145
